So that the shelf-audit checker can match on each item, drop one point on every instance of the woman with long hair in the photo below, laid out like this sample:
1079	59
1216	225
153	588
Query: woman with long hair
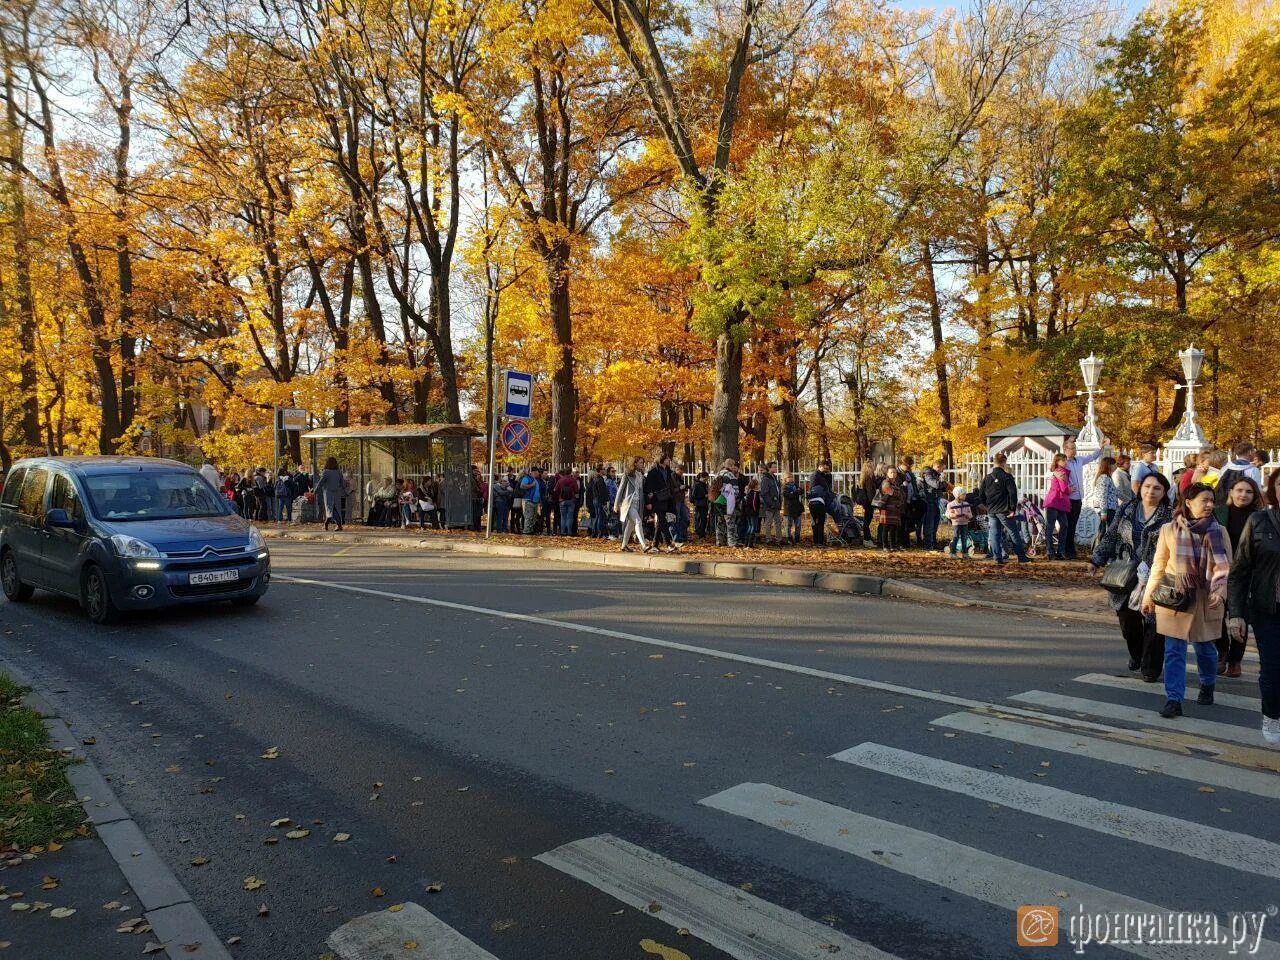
1242	501
331	489
1187	592
1254	600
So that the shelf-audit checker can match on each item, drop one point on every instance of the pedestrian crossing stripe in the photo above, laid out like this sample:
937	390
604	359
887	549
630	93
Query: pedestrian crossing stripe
1130	755
730	919
1249	736
1220	698
938	860
1213	845
387	933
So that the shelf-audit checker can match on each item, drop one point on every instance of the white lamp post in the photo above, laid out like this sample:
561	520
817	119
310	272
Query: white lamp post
1090	437
1188	438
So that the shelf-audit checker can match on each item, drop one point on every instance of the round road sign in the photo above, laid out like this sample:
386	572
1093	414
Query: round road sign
516	436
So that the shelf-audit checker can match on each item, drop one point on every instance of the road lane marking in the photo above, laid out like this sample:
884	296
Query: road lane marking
1135	683
1210	844
1250	736
728	918
1128	755
381	934
935	859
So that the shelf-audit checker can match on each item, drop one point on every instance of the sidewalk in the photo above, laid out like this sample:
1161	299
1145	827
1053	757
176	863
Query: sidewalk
1048	589
96	887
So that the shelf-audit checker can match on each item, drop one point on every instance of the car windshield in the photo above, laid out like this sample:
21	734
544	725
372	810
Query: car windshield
148	495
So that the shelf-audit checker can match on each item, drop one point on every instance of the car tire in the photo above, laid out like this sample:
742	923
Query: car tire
14	588
95	597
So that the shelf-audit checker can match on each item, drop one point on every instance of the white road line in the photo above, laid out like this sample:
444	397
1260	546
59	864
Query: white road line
382	934
1223	847
1135	683
938	860
742	925
1114	711
1139	758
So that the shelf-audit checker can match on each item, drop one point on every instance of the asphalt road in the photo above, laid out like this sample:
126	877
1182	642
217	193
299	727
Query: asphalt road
523	708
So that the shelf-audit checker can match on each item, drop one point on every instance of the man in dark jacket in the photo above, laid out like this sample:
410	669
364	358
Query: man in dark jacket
1000	494
598	503
701	497
771	504
657	497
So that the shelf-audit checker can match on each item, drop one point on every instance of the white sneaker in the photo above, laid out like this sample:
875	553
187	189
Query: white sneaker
1271	731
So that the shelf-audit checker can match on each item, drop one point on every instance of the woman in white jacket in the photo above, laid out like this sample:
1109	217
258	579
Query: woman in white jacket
629	503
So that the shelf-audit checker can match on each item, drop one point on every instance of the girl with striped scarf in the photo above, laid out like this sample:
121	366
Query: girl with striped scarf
1193	555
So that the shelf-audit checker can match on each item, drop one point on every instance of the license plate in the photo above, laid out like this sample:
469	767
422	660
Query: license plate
214	576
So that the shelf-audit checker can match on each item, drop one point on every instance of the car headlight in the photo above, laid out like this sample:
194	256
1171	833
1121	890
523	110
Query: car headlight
133	548
255	540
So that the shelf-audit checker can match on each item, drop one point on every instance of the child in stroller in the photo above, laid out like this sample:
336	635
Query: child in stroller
848	529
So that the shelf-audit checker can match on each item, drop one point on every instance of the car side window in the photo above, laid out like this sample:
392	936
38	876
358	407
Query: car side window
31	500
63	496
13	487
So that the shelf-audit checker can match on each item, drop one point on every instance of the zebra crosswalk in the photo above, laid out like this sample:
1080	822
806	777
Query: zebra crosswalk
1218	755
1087	729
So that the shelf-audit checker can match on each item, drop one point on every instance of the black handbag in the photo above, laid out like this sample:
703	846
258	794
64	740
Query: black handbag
1167	595
1120	576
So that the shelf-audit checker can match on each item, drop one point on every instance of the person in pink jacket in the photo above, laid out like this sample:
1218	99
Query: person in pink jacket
1057	507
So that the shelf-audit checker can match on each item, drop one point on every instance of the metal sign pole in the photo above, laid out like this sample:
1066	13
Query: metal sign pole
493	446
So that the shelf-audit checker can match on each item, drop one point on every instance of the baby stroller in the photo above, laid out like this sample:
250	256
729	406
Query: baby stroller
848	529
1031	526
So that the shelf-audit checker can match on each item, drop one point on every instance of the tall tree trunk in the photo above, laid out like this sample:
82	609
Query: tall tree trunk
564	391
824	435
939	355
726	400
27	381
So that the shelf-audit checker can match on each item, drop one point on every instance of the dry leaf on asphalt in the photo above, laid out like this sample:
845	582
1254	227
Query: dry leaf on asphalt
199	861
395	908
253	883
49	883
264	910
435	887
271	841
376	891
153	947
411	944
19	907
232	941
273	753
660	950
341	837
174	768
298	834
191	947
1207	790
392	859
282	822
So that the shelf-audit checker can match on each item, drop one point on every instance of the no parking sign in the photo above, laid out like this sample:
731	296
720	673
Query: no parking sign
516	436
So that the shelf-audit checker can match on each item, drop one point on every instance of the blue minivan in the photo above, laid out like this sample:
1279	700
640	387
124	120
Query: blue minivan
125	533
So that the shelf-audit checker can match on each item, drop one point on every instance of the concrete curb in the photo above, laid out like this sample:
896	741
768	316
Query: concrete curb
167	906
802	577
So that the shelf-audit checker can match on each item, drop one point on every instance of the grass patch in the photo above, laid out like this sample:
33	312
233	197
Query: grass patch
37	805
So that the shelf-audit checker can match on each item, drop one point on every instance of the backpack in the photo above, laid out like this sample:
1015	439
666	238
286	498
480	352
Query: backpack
1226	480
282	488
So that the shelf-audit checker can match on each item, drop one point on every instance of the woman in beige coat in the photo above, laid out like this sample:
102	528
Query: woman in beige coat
1193	557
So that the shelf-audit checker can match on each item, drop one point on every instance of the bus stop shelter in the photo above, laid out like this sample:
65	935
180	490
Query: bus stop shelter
373	455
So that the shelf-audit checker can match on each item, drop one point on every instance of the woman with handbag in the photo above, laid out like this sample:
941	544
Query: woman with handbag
1187	591
1124	553
1254	600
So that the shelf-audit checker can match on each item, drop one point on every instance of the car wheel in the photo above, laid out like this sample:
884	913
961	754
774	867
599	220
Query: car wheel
14	588
95	597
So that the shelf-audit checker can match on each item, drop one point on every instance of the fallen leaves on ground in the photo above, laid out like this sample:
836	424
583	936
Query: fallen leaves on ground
253	883
61	913
341	837
661	950
153	947
272	753
50	883
199	861
264	910
298	834
282	822
435	887
377	892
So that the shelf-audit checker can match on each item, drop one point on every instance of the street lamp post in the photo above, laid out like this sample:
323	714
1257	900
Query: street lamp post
1090	437
1188	438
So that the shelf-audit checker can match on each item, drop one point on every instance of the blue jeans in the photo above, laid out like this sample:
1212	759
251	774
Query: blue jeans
929	525
284	510
999	527
682	523
501	514
568	510
753	530
700	515
793	529
1175	666
960	539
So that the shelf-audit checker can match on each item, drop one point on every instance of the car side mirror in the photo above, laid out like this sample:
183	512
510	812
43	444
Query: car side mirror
57	518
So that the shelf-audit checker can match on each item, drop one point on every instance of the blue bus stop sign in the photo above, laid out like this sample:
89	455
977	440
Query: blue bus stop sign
516	436
518	396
